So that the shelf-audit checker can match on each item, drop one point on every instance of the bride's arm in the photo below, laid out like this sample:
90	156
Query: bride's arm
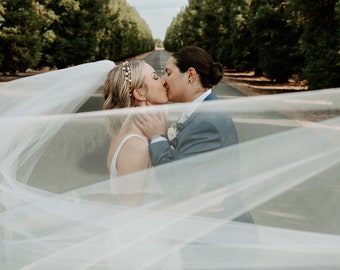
133	157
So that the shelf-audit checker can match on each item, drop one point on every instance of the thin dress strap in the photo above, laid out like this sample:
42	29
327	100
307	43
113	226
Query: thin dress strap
113	171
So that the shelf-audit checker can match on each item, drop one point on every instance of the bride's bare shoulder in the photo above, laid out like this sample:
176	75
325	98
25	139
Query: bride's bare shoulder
130	146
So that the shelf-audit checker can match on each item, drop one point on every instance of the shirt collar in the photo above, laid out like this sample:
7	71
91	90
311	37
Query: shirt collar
192	107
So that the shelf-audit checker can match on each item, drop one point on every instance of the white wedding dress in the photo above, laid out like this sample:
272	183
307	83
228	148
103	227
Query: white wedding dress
174	259
57	210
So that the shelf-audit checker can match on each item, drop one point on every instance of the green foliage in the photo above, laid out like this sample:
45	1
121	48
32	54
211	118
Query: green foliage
173	36
238	39
275	42
158	43
61	33
19	35
320	43
276	38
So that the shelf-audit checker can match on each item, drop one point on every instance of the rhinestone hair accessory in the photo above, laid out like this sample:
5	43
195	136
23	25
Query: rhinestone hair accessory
127	74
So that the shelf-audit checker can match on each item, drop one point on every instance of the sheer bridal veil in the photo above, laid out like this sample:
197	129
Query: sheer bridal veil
58	209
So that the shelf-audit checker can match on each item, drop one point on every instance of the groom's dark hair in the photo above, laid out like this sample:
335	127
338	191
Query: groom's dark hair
210	72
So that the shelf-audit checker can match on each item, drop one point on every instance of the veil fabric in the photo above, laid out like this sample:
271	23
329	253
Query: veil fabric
58	209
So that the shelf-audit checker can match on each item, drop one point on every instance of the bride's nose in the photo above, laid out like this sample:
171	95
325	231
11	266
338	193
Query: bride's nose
163	82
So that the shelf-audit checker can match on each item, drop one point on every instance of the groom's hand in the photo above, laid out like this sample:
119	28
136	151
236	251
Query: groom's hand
152	124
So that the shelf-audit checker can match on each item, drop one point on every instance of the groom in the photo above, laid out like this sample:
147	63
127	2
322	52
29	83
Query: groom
190	74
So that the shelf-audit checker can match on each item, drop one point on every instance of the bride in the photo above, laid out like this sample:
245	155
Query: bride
130	84
59	212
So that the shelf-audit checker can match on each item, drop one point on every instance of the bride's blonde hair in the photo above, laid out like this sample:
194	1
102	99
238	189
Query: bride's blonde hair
119	85
118	88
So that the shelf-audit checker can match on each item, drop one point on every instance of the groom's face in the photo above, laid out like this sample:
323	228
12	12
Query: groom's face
175	81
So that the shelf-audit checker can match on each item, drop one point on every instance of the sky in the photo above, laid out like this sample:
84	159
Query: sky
158	14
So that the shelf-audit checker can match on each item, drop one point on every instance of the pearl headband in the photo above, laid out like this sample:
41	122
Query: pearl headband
127	74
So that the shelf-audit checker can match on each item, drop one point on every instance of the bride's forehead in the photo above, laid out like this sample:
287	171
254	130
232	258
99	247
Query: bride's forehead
148	69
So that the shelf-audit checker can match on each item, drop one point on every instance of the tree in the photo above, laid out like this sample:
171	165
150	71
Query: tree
173	37
77	32
198	24
239	39
275	41
20	42
158	43
320	42
125	33
61	33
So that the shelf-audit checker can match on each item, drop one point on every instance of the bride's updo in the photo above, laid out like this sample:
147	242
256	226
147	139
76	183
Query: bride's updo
210	72
120	82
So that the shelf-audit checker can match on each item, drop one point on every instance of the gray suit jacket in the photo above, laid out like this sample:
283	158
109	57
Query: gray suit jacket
201	132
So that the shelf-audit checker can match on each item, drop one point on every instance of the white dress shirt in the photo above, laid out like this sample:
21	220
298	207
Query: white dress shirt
192	107
187	113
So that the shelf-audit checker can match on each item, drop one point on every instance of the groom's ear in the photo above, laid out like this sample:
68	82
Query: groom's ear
138	94
192	74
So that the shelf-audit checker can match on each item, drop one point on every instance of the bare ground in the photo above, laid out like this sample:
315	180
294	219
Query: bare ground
251	85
